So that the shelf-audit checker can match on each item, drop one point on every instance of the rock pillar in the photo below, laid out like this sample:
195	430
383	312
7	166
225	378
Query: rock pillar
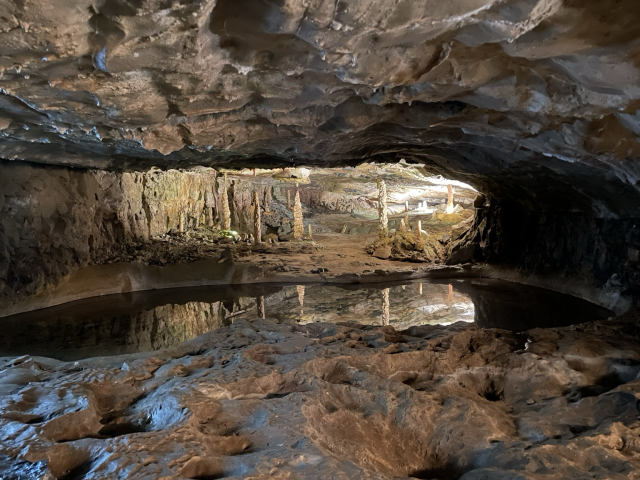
298	226
257	222
383	222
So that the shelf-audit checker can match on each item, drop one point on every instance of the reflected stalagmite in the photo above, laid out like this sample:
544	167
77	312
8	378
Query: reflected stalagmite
406	206
385	306
288	199
226	212
450	296
257	222
420	288
300	290
449	199
260	306
298	226
383	222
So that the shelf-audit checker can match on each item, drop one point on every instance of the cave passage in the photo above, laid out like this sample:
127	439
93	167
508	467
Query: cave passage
313	239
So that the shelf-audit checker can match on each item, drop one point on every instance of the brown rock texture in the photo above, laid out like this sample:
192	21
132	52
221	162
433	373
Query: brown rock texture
259	399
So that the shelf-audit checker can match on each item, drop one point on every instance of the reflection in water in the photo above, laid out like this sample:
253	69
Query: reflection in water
260	304
146	321
385	306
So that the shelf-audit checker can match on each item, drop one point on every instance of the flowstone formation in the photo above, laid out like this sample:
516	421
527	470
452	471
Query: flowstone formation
259	399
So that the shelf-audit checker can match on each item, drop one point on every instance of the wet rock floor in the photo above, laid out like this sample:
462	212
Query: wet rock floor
260	399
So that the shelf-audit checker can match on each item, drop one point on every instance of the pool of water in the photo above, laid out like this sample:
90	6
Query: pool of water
146	321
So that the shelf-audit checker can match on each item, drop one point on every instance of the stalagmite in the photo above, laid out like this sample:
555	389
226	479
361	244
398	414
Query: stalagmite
310	233
420	288
257	222
298	226
402	227
226	212
260	305
385	306
344	229
406	221
267	200
449	209
383	228
181	223
419	230
288	199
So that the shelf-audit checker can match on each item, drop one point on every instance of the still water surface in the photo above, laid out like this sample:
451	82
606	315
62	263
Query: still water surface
145	321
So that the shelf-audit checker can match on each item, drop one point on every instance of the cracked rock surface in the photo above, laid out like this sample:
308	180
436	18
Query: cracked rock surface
259	399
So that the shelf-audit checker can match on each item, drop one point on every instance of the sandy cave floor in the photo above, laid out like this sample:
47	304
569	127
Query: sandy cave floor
258	399
338	253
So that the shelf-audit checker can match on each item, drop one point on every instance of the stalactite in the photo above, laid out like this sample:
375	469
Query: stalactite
419	230
449	199
181	223
420	288
257	222
260	305
288	199
385	306
226	212
383	222
298	225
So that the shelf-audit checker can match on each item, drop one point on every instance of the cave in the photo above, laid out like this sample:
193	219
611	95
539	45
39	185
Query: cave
319	239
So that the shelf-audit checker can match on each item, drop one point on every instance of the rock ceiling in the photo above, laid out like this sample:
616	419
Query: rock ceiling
533	99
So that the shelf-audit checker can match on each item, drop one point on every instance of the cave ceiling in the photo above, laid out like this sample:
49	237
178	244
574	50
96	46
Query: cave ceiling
532	99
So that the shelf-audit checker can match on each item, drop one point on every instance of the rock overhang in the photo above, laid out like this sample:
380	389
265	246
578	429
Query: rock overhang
535	100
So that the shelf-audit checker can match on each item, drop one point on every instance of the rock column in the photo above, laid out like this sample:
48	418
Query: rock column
257	222
449	200
226	212
298	225
383	222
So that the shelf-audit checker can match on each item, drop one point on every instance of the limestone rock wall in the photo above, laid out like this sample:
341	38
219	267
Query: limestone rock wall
595	252
53	220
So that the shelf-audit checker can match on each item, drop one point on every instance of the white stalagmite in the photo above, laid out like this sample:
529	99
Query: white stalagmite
383	222
419	230
257	222
449	200
226	212
406	205
406	221
298	225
